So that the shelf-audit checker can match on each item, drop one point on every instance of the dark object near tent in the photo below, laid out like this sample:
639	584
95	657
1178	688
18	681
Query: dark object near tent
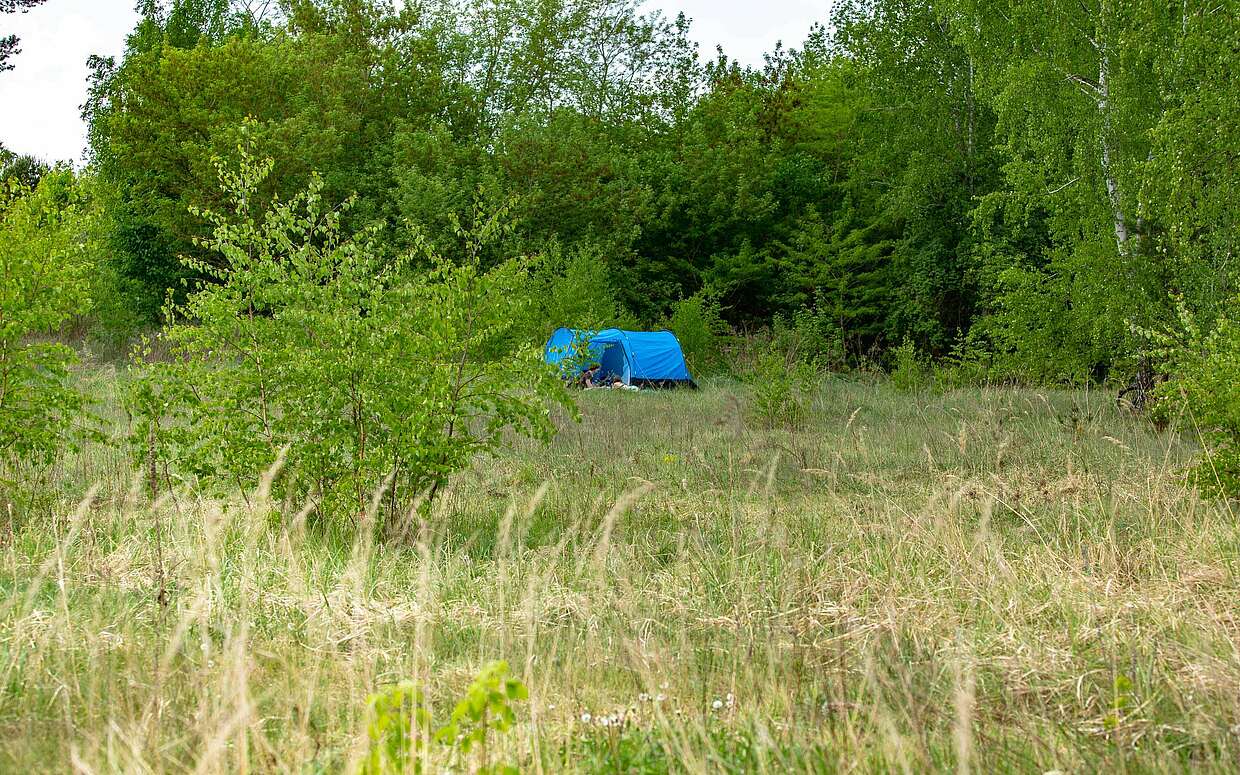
651	358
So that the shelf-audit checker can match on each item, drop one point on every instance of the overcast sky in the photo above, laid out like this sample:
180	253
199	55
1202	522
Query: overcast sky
40	100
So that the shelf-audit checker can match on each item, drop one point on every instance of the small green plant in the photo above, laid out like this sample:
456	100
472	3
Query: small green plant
780	388
1119	701
909	372
400	725
486	706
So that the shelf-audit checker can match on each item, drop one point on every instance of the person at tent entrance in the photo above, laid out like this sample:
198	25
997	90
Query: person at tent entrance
590	377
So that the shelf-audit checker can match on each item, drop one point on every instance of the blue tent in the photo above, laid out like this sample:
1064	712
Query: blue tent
641	357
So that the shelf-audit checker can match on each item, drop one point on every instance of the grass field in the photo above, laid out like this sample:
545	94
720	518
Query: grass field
986	580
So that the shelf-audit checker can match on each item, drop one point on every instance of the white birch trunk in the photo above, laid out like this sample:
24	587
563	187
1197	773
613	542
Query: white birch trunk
1108	170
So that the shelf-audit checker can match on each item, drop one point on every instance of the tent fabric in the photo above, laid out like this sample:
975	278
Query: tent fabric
633	356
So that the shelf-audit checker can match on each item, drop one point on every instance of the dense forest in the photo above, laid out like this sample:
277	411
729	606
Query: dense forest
1035	185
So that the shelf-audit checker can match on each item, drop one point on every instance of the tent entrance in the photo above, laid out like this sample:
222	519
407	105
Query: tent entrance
614	364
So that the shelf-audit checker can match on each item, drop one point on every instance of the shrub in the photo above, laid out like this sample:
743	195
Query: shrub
697	321
812	334
968	364
780	388
910	372
1204	393
373	375
45	271
119	303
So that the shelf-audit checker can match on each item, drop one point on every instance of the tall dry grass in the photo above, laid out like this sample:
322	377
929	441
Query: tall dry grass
980	581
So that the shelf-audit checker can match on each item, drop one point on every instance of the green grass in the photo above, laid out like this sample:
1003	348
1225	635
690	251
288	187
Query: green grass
986	580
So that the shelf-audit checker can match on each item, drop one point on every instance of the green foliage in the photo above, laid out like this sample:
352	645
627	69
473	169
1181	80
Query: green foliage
399	721
924	152
575	289
781	388
813	333
45	266
697	321
909	372
9	43
486	706
1037	176
24	170
401	724
970	363
1059	324
1187	190
1203	395
373	376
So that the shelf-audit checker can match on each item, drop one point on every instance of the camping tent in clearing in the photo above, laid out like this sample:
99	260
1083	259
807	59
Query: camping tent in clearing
633	357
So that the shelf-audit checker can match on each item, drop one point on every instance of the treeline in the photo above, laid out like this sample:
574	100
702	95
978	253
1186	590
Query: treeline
328	193
1029	184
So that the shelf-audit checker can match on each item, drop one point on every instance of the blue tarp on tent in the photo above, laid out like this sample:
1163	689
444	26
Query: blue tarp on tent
631	356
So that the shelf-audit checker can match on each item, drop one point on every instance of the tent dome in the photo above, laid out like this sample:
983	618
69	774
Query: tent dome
633	357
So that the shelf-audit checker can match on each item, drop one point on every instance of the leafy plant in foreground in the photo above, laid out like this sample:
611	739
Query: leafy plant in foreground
401	723
374	373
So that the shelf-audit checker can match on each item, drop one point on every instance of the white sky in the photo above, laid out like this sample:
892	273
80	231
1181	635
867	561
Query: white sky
40	100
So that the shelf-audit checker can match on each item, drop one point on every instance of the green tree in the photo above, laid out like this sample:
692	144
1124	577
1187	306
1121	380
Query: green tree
44	282
1076	93
1190	174
924	153
24	169
372	377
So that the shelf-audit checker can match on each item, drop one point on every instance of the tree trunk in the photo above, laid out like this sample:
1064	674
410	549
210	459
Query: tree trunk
1108	161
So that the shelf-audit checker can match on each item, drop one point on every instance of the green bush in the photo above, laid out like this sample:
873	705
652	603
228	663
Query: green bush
968	364
697	321
780	389
575	289
812	334
44	283
371	374
910	371
1203	396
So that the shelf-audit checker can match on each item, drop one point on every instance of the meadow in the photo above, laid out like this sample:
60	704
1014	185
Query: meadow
980	580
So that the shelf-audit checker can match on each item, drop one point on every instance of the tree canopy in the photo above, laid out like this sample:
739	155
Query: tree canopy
1038	180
